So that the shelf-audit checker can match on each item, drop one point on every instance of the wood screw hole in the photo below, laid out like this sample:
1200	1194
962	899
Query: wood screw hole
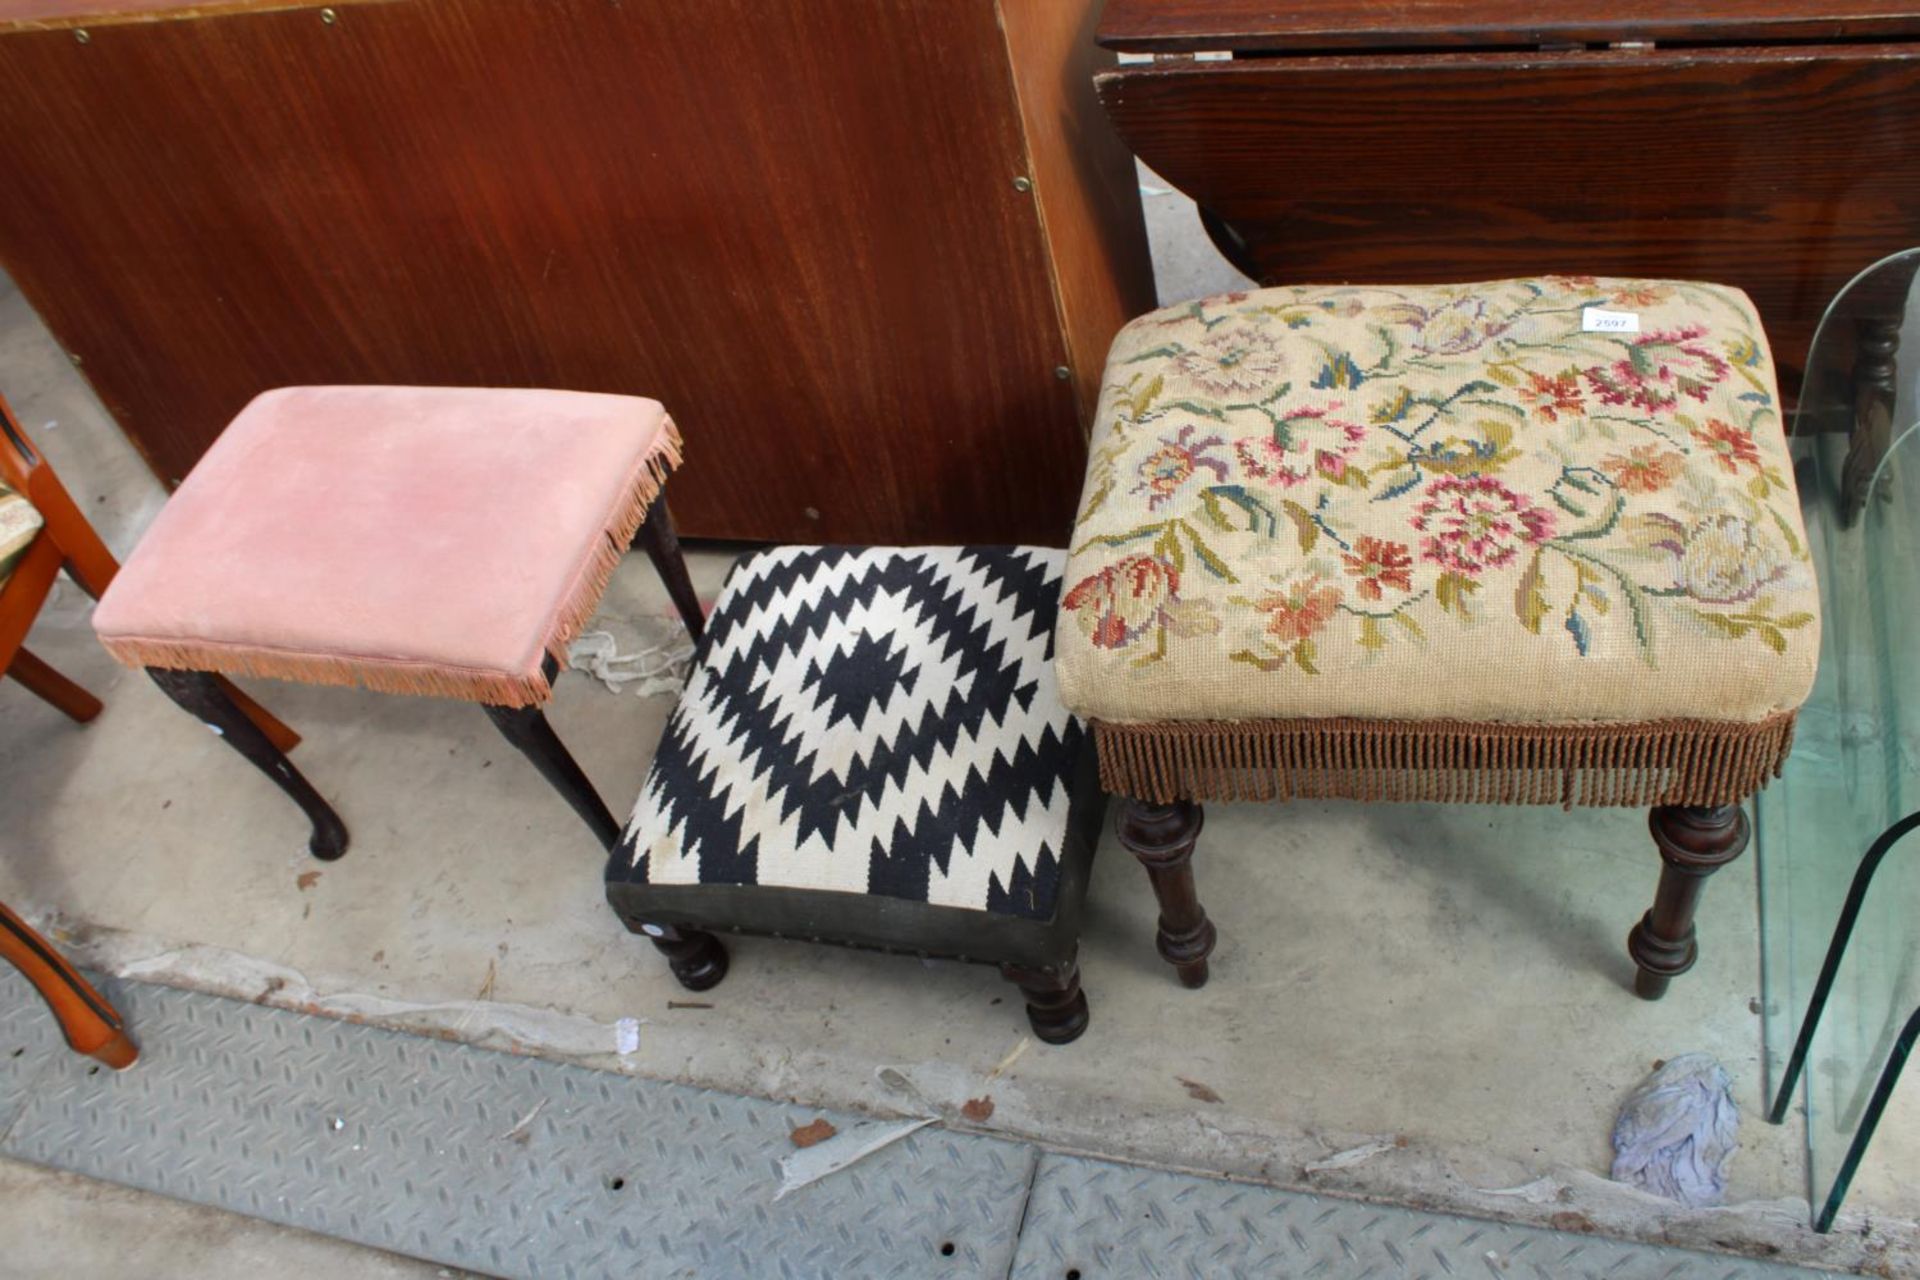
616	1183
946	1249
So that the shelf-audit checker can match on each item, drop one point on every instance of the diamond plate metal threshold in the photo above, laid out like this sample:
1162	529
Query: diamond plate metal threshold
521	1167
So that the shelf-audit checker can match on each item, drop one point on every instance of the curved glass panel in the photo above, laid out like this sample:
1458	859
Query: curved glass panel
1855	768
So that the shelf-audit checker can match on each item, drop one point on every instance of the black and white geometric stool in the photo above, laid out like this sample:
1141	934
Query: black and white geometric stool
871	752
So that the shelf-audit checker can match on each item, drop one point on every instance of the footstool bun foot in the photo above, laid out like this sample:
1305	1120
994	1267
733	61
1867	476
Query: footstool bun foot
697	959
1056	1006
1162	837
1694	843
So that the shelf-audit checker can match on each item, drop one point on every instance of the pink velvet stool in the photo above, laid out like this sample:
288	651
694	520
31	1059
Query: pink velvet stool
420	540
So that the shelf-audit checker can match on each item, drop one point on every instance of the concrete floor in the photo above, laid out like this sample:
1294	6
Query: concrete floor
1447	985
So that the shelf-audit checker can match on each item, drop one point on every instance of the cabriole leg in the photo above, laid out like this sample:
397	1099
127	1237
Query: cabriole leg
662	545
202	697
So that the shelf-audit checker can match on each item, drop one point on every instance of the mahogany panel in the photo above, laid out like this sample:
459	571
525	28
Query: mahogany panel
1171	25
1084	180
23	15
793	222
1778	171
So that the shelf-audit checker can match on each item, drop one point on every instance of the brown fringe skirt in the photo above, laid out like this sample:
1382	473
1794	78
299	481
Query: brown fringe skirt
426	678
1691	762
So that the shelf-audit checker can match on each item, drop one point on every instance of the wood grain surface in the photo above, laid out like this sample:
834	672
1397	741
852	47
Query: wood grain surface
1780	171
27	15
795	223
1084	180
1170	25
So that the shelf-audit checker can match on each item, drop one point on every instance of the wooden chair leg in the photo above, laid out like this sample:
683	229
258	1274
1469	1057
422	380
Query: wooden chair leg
1162	836
1876	377
1056	1006
530	733
1694	843
662	546
697	959
53	688
202	697
90	1024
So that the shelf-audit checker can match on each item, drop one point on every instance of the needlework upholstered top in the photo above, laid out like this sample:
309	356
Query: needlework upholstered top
19	526
1439	527
433	540
876	720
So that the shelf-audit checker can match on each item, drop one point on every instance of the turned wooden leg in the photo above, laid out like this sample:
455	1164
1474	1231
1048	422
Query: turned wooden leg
90	1024
1875	389
697	959
1162	837
202	696
1694	843
53	688
662	546
527	729
1056	1006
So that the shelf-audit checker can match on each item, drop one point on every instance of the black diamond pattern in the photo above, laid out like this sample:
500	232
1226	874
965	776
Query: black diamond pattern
871	720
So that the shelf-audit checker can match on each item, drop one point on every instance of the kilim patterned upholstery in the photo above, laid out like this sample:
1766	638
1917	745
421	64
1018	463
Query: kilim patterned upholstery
870	721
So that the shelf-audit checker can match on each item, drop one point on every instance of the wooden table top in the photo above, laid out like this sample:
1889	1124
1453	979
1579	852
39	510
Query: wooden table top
1176	25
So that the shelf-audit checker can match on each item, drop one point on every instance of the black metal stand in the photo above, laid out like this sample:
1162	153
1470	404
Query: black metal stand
1822	992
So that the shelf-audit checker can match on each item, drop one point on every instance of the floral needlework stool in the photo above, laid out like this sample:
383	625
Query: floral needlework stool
871	751
1527	542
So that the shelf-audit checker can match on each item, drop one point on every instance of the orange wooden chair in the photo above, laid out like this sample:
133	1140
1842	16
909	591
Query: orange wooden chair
41	533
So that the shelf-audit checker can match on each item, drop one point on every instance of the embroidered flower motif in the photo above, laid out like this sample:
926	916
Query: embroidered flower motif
1645	468
1724	559
1378	563
1282	457
1552	396
1233	361
1641	293
1121	602
1728	445
1658	369
1457	456
1475	523
1456	328
1635	501
1339	372
1300	608
1174	463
